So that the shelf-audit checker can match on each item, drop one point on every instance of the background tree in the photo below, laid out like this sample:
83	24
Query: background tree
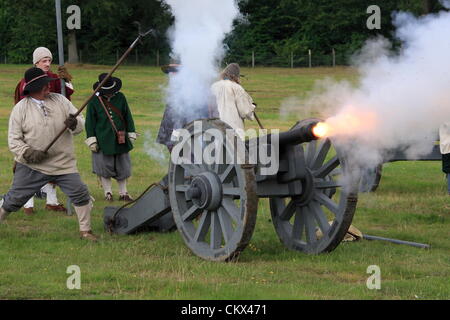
273	29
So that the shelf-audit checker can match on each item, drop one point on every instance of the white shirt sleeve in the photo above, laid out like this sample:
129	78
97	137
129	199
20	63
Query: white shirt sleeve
244	104
16	141
444	137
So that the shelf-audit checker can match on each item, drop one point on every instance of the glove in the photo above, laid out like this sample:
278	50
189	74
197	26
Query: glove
71	122
33	156
132	136
94	147
64	74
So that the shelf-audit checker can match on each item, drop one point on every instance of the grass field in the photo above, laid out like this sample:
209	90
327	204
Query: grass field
410	204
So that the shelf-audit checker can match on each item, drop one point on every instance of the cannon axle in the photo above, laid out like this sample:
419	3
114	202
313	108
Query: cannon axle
205	191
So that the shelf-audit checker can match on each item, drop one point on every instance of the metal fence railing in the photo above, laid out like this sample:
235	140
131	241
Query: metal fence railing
249	59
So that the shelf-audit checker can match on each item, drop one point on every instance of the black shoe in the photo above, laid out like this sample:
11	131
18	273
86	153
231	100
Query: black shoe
125	197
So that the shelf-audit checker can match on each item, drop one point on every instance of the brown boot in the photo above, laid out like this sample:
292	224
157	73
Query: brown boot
29	211
88	235
58	207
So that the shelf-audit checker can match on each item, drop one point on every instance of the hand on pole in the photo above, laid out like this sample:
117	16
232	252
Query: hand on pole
33	156
64	74
71	122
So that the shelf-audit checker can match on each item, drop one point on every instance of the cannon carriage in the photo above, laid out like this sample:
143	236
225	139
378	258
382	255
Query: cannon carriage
371	177
214	203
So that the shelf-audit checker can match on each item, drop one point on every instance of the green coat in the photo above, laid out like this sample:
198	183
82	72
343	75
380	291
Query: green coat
99	126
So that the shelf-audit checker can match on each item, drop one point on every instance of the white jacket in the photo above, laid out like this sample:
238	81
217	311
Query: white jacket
234	104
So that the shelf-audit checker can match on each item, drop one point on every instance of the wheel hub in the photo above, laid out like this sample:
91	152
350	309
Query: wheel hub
307	189
205	191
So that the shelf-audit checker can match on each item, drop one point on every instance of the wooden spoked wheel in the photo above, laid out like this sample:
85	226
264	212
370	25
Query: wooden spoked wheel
214	204
318	220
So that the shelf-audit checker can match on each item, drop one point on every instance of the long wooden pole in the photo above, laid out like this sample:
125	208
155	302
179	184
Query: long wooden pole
124	56
257	120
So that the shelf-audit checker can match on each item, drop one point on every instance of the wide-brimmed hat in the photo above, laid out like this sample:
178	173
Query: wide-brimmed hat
170	68
232	72
111	86
35	80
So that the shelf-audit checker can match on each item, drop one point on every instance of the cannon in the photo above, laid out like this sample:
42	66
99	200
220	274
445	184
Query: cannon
371	177
214	204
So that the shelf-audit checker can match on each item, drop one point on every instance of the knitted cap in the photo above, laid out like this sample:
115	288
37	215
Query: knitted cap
41	53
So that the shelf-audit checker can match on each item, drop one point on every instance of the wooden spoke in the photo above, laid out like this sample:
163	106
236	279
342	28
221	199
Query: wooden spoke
191	213
299	225
226	224
216	231
288	212
229	206
320	156
226	173
231	191
327	168
203	227
326	184
310	226
327	202
320	217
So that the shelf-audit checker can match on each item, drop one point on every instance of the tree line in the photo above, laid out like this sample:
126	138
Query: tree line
267	28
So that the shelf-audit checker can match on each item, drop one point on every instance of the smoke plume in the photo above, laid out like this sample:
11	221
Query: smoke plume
401	99
197	43
445	3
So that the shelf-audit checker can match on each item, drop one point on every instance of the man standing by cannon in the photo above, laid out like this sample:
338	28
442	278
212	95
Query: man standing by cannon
234	104
34	121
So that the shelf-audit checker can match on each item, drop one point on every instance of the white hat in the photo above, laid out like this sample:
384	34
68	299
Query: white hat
41	53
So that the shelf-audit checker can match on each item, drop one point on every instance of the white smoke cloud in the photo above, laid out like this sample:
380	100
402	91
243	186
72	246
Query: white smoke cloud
197	42
445	3
156	151
401	99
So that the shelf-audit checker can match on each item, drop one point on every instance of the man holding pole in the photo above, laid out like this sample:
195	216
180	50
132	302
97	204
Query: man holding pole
34	121
42	59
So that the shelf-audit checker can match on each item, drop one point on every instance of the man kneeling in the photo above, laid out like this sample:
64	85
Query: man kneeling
33	123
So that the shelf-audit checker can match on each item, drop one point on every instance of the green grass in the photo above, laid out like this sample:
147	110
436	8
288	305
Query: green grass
410	204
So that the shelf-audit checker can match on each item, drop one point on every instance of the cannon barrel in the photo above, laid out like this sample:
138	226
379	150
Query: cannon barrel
298	135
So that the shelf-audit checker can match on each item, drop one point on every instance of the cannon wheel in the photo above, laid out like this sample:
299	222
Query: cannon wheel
370	179
317	222
218	222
